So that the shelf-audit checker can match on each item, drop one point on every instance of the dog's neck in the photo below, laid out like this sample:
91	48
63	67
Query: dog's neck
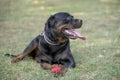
48	40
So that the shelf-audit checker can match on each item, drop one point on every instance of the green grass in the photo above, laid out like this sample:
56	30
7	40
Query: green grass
97	58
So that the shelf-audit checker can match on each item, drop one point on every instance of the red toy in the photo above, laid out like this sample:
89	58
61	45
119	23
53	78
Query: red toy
56	69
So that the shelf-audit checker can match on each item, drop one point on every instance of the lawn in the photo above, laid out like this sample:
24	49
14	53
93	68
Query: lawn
97	58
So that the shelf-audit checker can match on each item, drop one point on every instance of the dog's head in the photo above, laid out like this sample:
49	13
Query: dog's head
61	27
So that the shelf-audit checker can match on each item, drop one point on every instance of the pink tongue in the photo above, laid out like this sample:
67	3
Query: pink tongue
75	34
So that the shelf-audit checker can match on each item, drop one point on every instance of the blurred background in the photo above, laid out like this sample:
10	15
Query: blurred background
97	58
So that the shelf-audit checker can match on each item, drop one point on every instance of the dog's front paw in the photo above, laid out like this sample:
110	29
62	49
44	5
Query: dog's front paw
18	58
15	60
59	70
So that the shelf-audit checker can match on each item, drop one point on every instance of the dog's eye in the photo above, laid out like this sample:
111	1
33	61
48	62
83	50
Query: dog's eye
66	21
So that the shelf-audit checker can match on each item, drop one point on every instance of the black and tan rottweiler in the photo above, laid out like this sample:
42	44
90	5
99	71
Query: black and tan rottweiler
52	46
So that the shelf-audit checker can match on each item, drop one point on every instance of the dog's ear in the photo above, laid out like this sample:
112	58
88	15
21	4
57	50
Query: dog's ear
50	22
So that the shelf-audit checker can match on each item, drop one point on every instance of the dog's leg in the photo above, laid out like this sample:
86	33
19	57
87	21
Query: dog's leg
49	66
32	46
62	71
46	66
